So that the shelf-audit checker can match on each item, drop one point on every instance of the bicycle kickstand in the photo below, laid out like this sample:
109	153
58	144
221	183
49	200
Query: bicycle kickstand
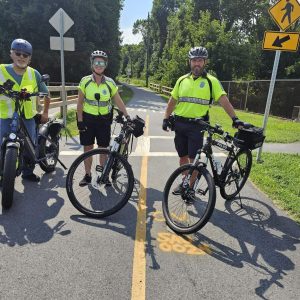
241	204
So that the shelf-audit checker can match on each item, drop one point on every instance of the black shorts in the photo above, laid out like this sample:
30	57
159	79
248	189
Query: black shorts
188	138
97	127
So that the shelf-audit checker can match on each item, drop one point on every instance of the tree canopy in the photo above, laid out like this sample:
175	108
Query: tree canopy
231	30
96	26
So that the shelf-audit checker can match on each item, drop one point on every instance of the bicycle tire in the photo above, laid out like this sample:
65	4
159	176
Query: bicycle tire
236	174
8	177
201	207
96	199
48	165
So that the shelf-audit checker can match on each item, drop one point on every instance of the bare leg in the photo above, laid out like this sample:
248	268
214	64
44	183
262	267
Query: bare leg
103	157
88	161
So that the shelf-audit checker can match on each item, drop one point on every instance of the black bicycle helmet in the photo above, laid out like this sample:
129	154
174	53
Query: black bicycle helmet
21	45
98	53
198	52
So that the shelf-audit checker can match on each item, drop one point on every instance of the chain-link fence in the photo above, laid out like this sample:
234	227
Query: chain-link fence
252	96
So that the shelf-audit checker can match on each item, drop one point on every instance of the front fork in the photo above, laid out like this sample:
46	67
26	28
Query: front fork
15	144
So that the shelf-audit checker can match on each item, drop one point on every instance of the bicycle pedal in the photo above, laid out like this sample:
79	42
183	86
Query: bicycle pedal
99	169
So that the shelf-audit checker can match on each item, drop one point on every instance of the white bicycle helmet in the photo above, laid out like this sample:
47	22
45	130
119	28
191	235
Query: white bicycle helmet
198	52
98	53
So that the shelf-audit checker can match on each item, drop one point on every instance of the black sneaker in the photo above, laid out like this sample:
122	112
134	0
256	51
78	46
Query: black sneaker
85	180
31	177
191	198
178	190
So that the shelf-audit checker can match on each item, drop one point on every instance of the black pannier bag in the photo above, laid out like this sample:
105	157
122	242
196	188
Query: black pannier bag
250	138
139	125
55	128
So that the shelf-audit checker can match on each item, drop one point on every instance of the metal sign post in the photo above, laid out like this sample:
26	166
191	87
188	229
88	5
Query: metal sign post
269	99
62	23
285	13
62	64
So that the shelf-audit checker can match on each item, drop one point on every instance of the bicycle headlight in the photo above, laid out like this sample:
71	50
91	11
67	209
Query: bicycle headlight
12	136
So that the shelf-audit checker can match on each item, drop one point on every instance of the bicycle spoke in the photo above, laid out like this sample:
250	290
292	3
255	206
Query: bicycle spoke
99	197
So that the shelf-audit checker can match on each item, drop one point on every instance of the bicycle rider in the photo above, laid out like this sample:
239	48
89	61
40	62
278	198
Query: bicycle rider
191	98
94	109
24	77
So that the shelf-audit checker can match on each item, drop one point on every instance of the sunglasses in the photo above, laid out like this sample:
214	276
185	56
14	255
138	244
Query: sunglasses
99	63
22	54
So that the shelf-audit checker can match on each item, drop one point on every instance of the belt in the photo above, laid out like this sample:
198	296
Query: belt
189	120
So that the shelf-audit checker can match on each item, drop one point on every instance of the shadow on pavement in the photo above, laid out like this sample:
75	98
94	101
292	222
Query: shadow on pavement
125	221
25	222
258	227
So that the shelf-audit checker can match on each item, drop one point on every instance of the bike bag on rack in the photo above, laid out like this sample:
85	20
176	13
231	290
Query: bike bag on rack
51	128
139	125
250	138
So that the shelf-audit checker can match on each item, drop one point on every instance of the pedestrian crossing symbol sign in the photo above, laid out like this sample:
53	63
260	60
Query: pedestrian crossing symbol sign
285	13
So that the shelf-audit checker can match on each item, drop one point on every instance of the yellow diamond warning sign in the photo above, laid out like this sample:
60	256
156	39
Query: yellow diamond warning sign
285	13
284	41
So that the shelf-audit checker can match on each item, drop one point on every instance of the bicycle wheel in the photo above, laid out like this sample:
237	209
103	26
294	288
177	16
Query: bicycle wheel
99	199
8	177
189	210
50	151
236	174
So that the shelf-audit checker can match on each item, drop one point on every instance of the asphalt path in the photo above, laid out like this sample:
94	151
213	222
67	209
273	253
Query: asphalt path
51	251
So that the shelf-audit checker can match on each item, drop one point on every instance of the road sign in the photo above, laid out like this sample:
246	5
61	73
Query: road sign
55	21
284	41
285	13
55	43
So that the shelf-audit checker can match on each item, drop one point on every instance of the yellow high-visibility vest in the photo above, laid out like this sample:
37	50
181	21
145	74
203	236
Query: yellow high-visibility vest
7	105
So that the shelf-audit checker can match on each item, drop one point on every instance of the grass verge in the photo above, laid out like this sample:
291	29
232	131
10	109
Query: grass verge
279	178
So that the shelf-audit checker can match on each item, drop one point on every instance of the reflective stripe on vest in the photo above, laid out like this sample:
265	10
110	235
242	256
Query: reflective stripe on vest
7	106
96	102
5	98
33	102
194	100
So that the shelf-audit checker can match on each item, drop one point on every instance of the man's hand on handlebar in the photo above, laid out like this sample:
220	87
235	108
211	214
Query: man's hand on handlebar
237	123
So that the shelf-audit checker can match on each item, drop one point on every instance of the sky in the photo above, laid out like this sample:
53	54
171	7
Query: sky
133	10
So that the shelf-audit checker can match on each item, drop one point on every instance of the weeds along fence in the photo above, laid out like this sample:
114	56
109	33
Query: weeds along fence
252	96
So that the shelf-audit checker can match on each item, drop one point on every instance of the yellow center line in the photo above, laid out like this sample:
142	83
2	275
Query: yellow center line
138	286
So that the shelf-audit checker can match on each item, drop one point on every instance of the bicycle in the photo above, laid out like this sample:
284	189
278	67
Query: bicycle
102	197
190	209
18	149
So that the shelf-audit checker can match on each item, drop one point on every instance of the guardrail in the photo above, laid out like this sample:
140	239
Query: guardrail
161	89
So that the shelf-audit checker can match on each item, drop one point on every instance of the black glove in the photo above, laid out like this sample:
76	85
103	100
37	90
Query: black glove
236	123
81	126
165	124
128	118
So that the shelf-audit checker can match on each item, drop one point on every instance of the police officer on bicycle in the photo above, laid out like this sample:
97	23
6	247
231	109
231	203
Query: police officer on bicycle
191	98
24	77
94	109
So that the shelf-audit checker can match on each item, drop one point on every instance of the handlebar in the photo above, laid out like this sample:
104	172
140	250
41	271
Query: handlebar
217	129
6	89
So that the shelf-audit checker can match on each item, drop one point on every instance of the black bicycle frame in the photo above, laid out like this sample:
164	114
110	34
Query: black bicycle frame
207	150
